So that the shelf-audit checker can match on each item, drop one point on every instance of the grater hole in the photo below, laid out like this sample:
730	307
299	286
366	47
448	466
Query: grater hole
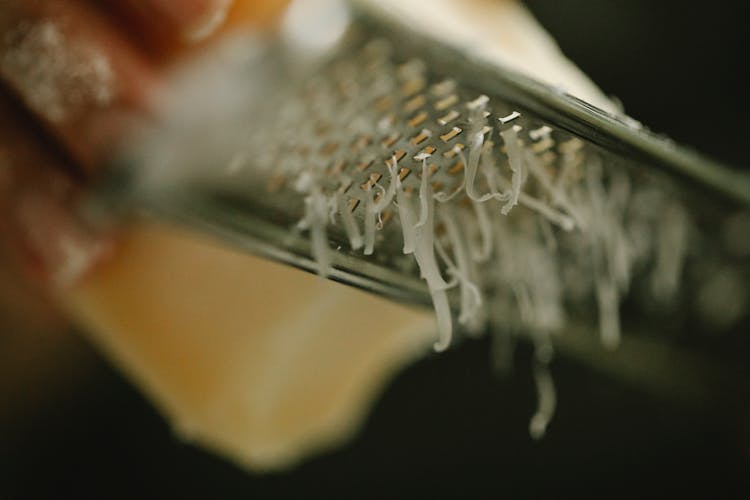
452	134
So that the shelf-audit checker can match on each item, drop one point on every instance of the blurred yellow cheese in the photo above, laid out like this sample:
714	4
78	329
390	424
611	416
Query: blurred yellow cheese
259	361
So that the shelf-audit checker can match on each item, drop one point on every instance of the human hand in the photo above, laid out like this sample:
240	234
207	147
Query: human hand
77	77
258	361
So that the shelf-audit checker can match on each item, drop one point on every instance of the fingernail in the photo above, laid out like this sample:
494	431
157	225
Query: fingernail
195	20
212	19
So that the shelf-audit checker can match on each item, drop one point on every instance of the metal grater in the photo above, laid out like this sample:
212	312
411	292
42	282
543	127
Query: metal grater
546	213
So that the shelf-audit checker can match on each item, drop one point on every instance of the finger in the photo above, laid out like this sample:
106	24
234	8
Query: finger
72	67
166	21
168	28
38	228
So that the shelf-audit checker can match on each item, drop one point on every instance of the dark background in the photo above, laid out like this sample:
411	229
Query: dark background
449	426
678	66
